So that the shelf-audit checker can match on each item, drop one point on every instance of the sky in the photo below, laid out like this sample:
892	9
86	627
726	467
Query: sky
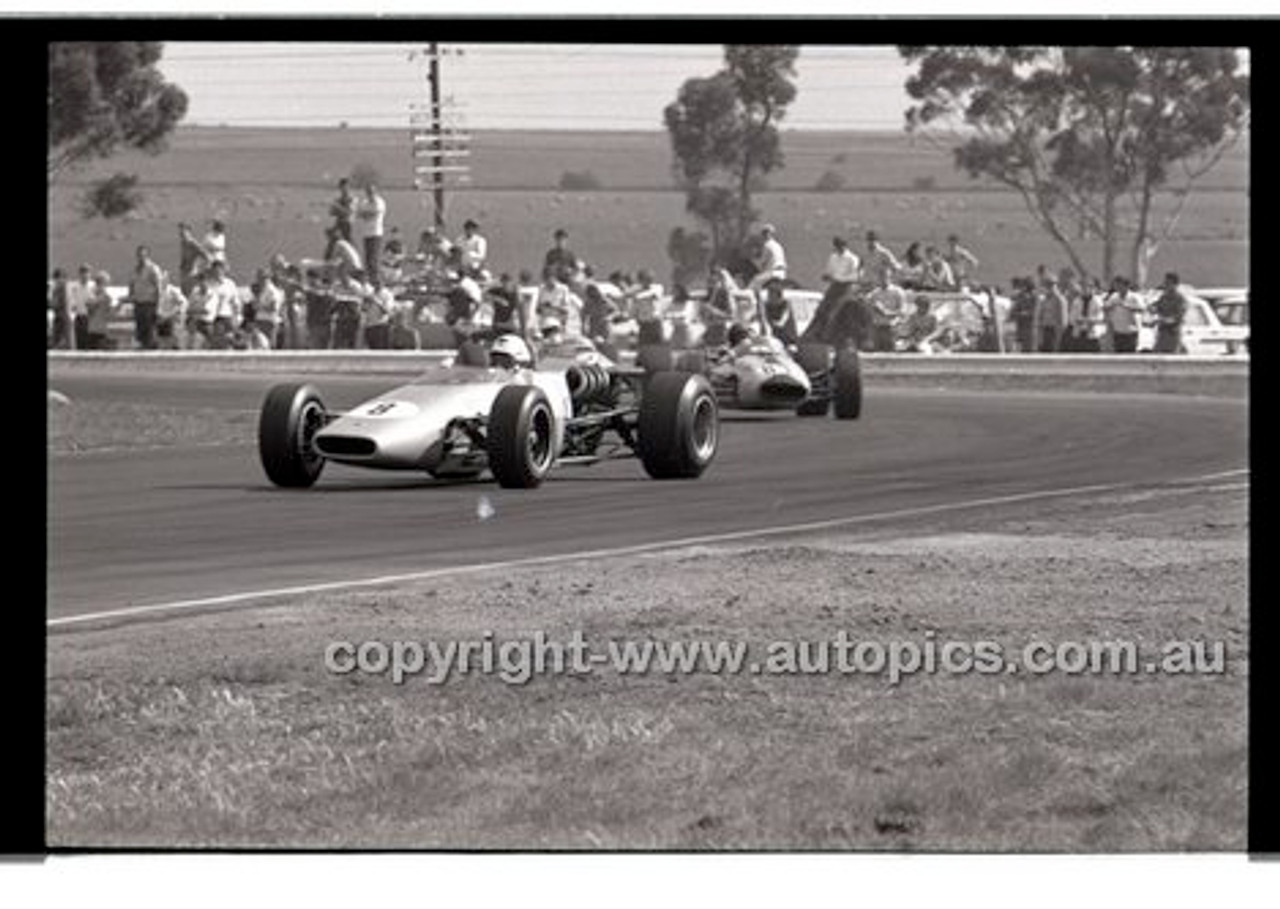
510	86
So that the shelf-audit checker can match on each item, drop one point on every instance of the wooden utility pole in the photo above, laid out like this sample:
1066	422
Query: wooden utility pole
437	131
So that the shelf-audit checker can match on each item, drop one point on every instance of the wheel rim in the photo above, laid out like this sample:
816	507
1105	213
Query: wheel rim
539	439
310	421
704	427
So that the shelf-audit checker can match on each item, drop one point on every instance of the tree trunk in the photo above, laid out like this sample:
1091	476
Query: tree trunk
1108	237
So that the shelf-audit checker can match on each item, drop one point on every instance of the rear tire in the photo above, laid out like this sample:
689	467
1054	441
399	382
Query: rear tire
290	417
848	384
678	428
815	359
521	437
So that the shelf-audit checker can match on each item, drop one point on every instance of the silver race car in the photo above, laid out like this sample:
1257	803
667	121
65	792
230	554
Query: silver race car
762	374
504	416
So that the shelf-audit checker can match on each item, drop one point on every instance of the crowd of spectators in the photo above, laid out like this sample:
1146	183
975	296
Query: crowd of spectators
368	289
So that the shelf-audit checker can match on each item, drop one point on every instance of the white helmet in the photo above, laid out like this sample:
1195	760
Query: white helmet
510	351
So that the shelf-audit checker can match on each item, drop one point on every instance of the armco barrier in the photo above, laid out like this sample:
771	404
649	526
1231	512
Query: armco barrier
1218	376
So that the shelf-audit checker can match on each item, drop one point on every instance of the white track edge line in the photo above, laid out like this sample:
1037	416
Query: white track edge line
252	596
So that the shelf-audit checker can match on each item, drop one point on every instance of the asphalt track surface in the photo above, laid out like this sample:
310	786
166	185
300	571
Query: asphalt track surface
130	528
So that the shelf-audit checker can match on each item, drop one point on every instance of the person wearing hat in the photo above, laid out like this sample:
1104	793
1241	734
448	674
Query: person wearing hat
770	262
475	248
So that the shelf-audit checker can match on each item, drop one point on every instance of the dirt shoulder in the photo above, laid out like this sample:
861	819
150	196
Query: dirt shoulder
227	729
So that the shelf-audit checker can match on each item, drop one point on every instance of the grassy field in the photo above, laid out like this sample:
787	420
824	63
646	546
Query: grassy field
273	188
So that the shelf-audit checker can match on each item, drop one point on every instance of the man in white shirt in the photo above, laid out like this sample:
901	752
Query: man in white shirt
843	269
222	304
371	213
771	262
79	293
1124	310
475	248
214	244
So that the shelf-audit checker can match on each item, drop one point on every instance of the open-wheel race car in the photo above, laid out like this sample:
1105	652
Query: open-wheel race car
515	421
761	373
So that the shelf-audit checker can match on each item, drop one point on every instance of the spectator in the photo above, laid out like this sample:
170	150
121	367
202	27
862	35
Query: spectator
778	316
191	259
511	312
770	262
268	311
348	293
371	211
214	243
920	329
888	303
463	298
171	314
393	256
557	309
146	287
1124	310
937	273
1086	323
964	264
79	293
434	250
100	308
912	275
199	315
222	306
62	334
343	210
1052	315
880	262
343	254
377	311
560	259
841	275
475	248
1024	311
1170	309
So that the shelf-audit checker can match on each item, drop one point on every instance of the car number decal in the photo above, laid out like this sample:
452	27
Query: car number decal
389	409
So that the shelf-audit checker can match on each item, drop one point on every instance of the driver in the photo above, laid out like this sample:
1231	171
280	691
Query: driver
510	352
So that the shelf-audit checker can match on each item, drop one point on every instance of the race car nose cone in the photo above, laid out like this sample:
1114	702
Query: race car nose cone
783	388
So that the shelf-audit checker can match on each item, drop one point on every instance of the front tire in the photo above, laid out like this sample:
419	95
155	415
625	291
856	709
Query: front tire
521	437
815	359
848	384
679	426
291	416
